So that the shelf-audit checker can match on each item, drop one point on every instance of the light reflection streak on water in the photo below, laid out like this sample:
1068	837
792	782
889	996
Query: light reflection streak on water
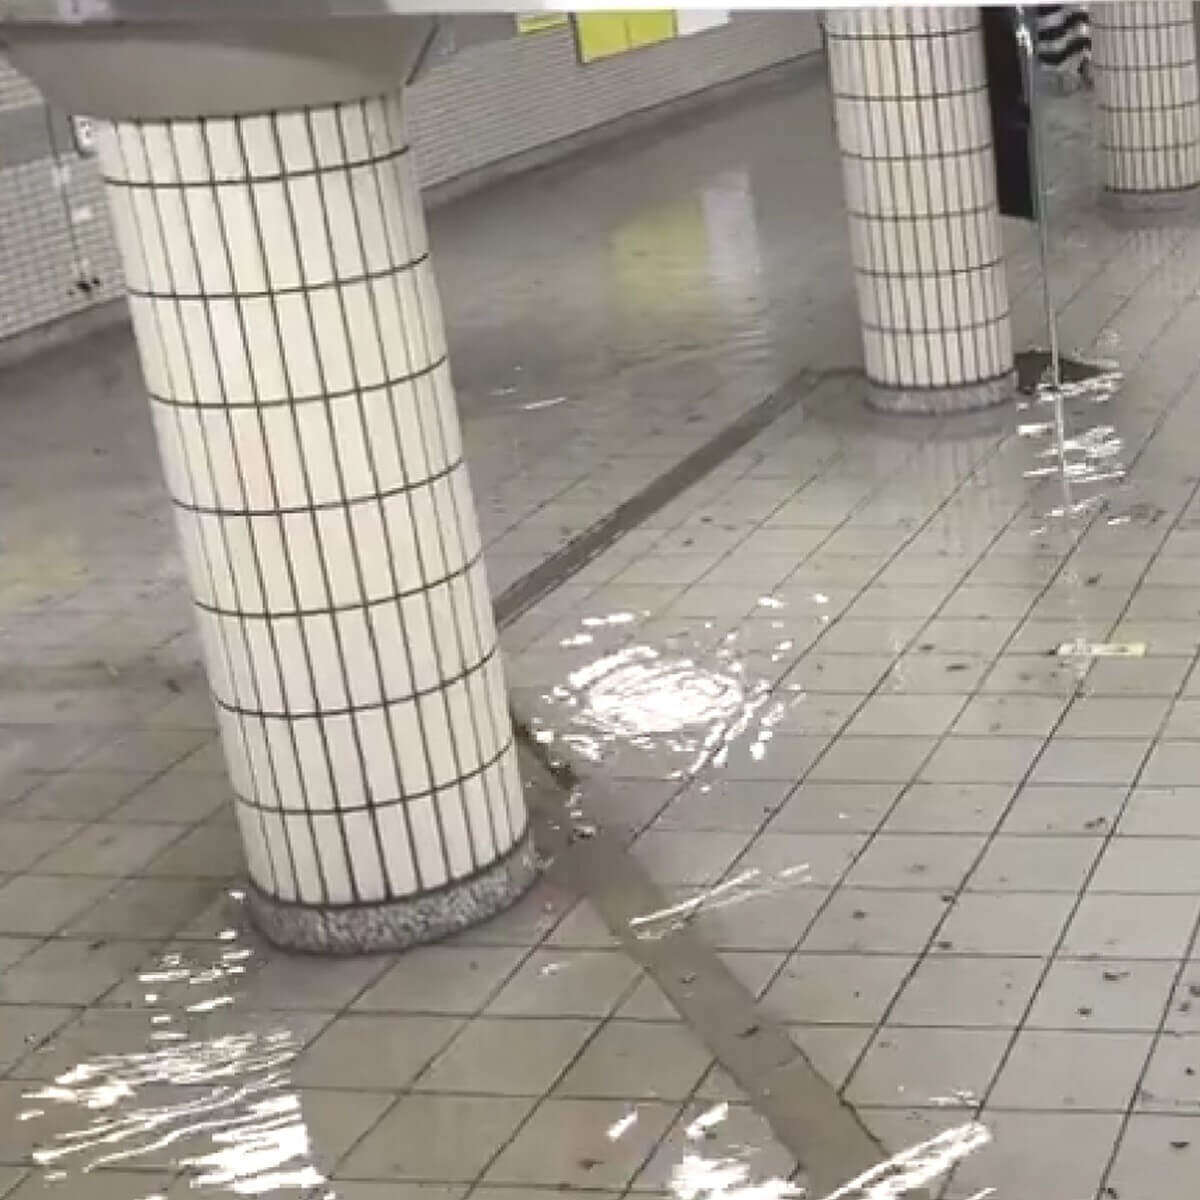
738	890
917	1166
637	696
229	1116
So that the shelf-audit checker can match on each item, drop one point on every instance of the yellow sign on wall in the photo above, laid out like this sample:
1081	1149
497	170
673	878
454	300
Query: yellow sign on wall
536	22
601	35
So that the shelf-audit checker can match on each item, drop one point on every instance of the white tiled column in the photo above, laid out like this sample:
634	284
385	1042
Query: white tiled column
292	345
1149	100
914	131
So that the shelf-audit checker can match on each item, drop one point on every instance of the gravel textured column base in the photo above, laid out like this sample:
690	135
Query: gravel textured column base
1174	200
968	397
397	924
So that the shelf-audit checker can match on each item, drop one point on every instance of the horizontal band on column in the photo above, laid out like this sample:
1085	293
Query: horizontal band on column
350	710
941	156
1124	68
303	289
940	400
1150	109
940	330
241	181
429	793
375	926
918	276
299	510
334	610
1100	22
924	218
904	35
314	398
905	98
1150	199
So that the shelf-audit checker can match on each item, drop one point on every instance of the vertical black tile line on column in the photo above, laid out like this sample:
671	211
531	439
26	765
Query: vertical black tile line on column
314	525
477	859
512	803
252	535
169	368
335	458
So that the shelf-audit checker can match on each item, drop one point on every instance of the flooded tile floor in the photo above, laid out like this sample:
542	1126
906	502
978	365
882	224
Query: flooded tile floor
857	863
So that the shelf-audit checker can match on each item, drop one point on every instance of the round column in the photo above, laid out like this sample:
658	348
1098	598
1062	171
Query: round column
914	130
291	340
1149	100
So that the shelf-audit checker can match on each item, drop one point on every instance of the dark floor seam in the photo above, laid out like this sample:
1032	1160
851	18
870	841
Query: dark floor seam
520	596
822	1131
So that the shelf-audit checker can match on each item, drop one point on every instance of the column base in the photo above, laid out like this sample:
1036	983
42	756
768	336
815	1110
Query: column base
397	924
1175	200
966	397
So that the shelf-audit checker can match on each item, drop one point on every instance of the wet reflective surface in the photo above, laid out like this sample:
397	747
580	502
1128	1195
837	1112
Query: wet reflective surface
822	698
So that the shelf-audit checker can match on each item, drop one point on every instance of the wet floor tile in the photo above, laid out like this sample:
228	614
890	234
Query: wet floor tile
382	1052
102	1185
936	862
430	1137
1108	926
444	979
809	858
836	988
771	918
569	1143
1110	994
961	808
1071	1069
1009	923
70	971
1132	864
1016	716
688	857
877	920
78	796
31	904
582	928
1089	760
23	843
1039	1156
959	990
724	805
146	908
110	849
631	1059
566	983
834	808
716	1134
507	1057
981	760
926	1067
883	715
1158	1157
873	759
1172	1080
24	1027
1087	810
1035	864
